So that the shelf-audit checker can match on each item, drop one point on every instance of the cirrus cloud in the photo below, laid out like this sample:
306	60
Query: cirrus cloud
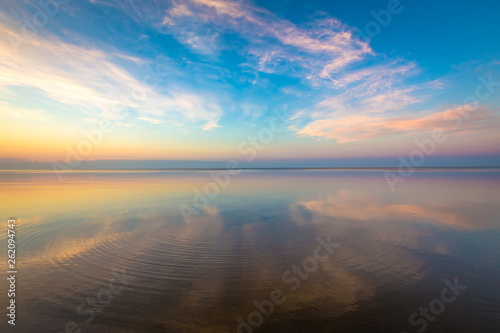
89	80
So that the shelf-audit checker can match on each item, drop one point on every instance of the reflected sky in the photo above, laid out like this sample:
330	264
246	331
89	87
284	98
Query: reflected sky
200	275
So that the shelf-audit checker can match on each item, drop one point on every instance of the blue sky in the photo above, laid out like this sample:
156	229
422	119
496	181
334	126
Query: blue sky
193	79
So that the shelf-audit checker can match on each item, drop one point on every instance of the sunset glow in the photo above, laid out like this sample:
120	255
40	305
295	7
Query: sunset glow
194	80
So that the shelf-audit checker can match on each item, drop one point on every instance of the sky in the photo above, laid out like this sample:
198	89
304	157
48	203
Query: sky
268	83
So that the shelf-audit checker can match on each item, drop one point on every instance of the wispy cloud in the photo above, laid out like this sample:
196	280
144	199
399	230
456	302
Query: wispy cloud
362	99
359	86
320	47
89	79
346	90
372	79
7	109
347	127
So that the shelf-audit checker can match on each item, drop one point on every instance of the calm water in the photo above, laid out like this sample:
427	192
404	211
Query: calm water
394	251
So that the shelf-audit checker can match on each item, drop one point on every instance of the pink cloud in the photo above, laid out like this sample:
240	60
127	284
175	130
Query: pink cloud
357	127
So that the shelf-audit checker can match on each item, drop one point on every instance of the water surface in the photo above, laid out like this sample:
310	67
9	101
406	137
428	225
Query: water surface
201	274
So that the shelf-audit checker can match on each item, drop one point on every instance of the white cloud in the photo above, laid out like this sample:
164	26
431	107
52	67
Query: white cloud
90	79
9	110
321	48
359	89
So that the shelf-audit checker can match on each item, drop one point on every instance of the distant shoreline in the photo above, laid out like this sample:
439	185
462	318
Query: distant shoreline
462	168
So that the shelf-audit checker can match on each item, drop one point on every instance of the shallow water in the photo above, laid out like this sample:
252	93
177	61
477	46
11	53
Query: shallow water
199	274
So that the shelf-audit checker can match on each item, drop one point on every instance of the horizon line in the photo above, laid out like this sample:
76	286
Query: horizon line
263	168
